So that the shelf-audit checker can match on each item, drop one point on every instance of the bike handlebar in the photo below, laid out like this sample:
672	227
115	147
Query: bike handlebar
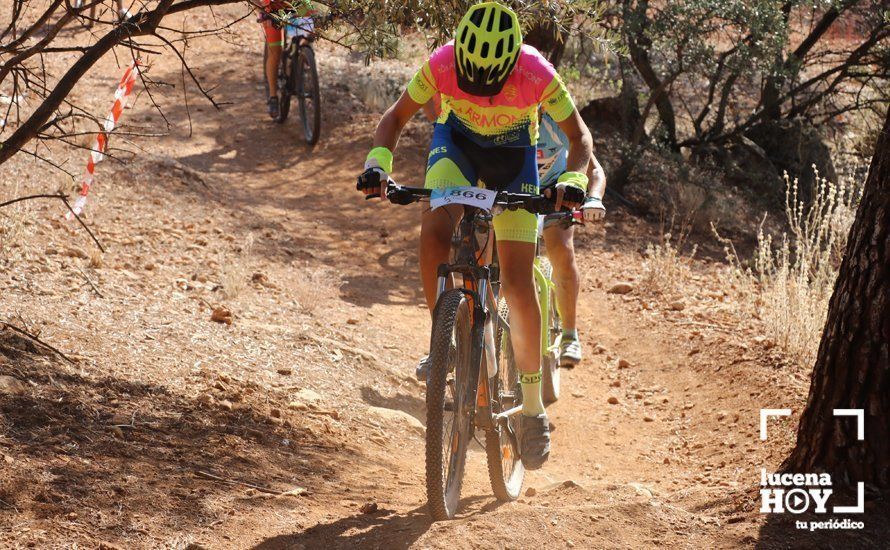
536	204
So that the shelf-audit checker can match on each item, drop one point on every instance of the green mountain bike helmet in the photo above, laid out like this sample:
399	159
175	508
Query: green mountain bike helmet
486	47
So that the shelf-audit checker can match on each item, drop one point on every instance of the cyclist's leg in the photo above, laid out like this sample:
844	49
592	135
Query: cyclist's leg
446	167
436	228
561	252
559	242
517	275
274	40
517	236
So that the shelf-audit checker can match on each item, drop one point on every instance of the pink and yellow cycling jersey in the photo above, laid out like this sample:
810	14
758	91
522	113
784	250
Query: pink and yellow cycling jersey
509	119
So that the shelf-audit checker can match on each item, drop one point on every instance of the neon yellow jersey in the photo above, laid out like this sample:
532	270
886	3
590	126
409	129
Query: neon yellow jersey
508	119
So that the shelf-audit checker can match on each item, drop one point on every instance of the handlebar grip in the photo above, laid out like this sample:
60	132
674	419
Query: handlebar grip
542	205
574	194
400	195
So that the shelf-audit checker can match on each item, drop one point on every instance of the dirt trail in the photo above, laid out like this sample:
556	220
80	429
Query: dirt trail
329	305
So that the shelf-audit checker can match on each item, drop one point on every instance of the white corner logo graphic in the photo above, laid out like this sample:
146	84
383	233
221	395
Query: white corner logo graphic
799	493
860	420
766	413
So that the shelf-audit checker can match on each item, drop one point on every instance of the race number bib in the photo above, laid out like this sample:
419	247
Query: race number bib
470	196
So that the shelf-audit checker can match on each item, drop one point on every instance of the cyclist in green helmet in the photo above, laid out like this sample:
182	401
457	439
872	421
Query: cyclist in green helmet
491	88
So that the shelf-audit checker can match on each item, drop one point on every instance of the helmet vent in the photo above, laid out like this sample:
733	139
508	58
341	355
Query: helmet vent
506	22
471	45
490	21
499	49
463	35
485	48
477	16
510	44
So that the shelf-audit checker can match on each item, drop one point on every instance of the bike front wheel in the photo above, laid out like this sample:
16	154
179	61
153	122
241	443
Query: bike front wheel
309	95
550	374
449	404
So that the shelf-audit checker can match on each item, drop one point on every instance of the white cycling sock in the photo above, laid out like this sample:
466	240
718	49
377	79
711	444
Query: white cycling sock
532	402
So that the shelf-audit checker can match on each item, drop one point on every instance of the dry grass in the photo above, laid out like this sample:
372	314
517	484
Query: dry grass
236	270
787	284
12	221
666	267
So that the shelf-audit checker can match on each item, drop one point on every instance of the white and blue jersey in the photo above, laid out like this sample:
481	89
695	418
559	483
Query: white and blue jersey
553	151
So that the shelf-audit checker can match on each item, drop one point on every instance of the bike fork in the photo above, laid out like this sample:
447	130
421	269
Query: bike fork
481	357
442	274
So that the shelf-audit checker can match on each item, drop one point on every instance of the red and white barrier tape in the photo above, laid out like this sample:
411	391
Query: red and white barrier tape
97	152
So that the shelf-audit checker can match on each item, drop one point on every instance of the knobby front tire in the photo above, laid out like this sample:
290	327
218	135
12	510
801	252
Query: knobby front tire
309	95
448	432
286	83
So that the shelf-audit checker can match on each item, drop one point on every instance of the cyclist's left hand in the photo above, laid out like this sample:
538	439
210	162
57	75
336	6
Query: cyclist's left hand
593	209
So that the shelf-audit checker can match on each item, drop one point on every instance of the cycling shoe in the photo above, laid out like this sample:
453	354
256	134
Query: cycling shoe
534	440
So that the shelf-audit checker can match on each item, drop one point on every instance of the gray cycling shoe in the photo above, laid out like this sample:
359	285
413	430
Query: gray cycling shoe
569	352
534	440
422	371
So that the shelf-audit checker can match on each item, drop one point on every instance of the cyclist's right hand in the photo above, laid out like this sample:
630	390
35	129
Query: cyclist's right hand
372	182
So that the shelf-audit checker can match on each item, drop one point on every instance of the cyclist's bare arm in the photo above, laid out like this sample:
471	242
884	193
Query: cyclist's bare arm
580	153
394	119
429	111
597	186
580	142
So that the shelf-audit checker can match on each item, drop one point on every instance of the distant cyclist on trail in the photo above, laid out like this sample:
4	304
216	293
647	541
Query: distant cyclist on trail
491	89
273	32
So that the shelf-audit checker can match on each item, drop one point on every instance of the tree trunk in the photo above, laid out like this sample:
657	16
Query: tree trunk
852	368
788	68
638	45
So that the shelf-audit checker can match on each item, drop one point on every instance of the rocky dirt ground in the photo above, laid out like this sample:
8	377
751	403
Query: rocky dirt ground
237	367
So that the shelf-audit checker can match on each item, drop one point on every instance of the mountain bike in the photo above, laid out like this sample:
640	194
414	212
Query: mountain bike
298	76
473	381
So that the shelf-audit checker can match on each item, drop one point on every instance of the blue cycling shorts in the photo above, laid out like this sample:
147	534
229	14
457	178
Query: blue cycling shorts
455	160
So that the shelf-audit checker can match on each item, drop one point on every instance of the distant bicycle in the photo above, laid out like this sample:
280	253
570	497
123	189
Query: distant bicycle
298	76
